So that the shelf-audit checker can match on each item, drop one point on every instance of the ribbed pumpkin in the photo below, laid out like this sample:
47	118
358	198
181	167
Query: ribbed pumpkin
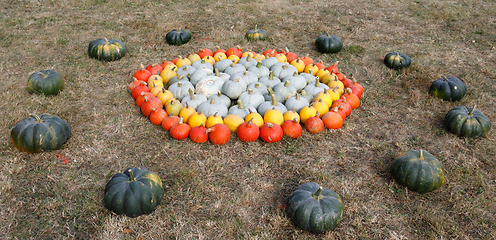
448	88
40	133
134	192
107	49
397	60
467	122
256	34
315	208
178	37
418	170
328	43
47	82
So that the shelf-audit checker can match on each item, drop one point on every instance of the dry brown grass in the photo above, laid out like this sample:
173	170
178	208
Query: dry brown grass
238	191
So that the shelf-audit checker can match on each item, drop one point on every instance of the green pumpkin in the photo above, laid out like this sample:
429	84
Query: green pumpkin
256	34
467	122
106	50
178	37
448	88
397	60
315	208
327	43
134	192
40	133
418	170
47	82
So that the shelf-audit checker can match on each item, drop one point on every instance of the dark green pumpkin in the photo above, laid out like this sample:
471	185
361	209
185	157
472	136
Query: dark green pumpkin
134	192
256	34
397	60
107	49
315	208
327	43
47	82
40	133
448	88
418	170
178	37
467	122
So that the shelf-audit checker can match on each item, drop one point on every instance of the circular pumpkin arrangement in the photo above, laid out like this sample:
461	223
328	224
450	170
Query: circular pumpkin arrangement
243	91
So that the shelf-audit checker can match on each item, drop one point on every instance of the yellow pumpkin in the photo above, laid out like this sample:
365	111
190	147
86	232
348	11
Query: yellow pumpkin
321	107
256	118
182	61
186	112
213	119
274	115
300	65
281	57
311	68
167	74
209	59
259	57
234	58
196	119
328	77
233	121
335	93
164	95
306	113
193	57
321	73
173	107
335	83
291	115
325	96
220	56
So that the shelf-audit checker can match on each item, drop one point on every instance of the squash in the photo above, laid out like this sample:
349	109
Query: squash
107	49
199	134
241	109
181	130
219	134
448	88
273	115
273	103
296	103
180	89
233	88
256	34
178	37
269	81
186	112
209	85
40	133
214	119
260	70
221	98
233	121
292	128
193	100
247	61
314	124
299	82
255	117
315	208
271	133
418	170
212	107
467	122
397	60
332	119
134	192
286	89
47	82
252	98
328	43
248	131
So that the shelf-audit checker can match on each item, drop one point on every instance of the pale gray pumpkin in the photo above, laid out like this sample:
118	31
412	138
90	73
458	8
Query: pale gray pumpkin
270	81
185	70
259	70
223	64
247	61
234	68
258	87
209	85
233	88
197	76
221	98
211	107
241	109
316	87
286	89
273	103
180	89
248	77
284	69
269	62
252	98
299	82
296	103
203	65
193	100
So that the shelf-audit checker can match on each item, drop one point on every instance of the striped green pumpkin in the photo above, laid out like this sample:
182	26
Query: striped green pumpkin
46	82
106	50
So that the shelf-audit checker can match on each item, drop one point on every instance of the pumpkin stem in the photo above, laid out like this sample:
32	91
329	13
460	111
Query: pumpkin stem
240	104
191	94
274	99
472	111
421	155
317	195
131	177
38	119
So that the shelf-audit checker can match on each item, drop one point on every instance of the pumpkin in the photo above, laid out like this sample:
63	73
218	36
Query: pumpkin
154	68
448	88
252	98
292	128
241	109
214	119
315	208
351	98
328	43
260	70
181	130
274	103
314	124
291	115
271	133
255	117
178	37
298	81
397	60
233	88
209	85
286	89
290	56
219	134
205	52
296	103
418	170
197	119
199	134
186	112
141	98
234	51
149	104
256	34
134	192
157	116
107	50
332	119
269	81
212	107
40	133
193	100
180	89
248	131
233	121
173	107
467	122
47	82
169	121
273	115
306	113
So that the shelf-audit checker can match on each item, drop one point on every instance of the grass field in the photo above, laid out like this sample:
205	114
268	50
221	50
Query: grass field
239	190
